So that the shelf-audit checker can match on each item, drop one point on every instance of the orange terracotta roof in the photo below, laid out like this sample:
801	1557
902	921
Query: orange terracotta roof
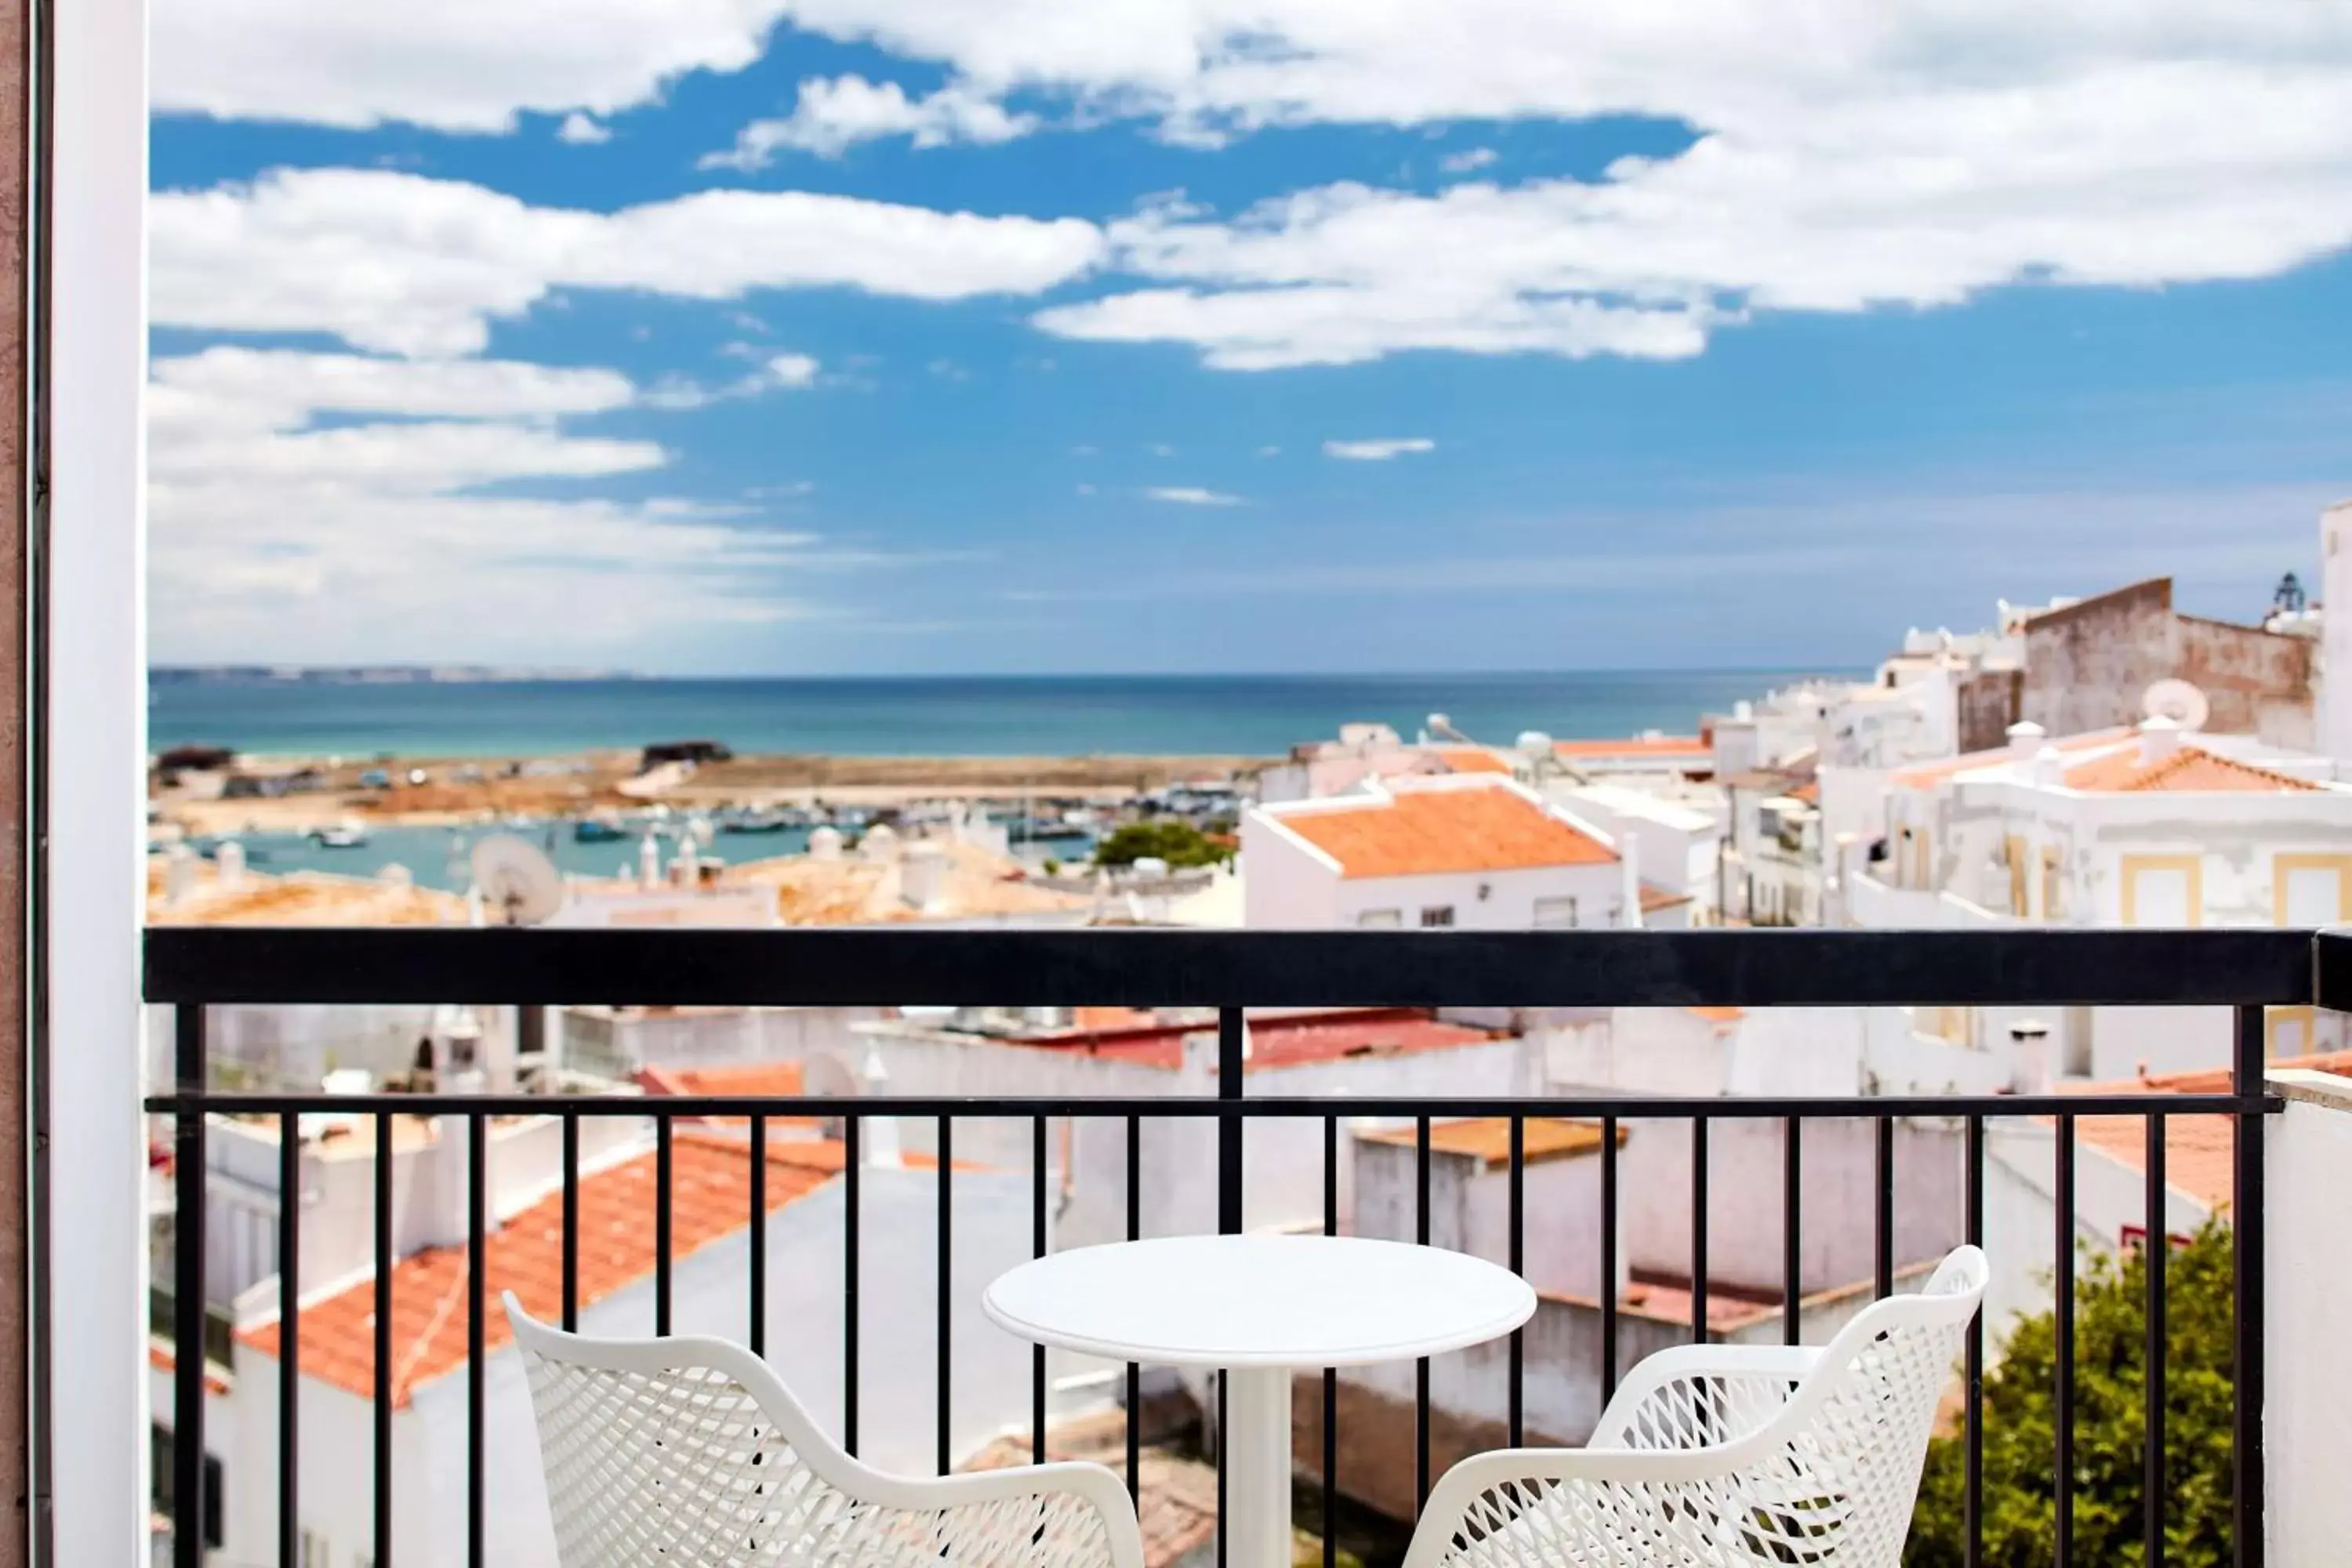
1488	1139
161	1358
2191	770
710	1198
1284	1040
1662	746
779	1080
1471	759
2210	1080
1718	1014
2198	1150
1654	898
1428	832
1935	773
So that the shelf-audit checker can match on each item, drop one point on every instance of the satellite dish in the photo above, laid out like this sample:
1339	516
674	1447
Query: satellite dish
2178	701
516	880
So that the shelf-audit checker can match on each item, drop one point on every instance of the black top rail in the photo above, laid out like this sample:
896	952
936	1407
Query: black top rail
803	967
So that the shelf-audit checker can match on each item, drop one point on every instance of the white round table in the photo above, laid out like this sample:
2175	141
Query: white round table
1259	1308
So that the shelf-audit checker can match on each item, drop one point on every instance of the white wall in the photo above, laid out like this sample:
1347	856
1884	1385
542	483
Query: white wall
1285	884
2335	696
2307	1419
1838	1197
620	1043
1674	1051
1469	1211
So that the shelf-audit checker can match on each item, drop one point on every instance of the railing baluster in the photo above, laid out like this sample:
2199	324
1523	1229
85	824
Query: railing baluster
1792	1210
947	1285
478	1186
1038	1249
1608	1290
665	1128
570	1222
758	1306
852	1166
1420	1365
289	1338
1884	1211
1134	1373
1232	1038
1519	1223
188	1168
2155	1257
382	1455
1330	1375
1972	1503
1698	1229
2246	1248
2065	1289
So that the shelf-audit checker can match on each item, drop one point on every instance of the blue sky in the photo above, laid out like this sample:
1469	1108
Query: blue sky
814	336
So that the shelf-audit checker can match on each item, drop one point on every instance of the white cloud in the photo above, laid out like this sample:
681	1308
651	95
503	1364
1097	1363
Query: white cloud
280	385
279	535
832	116
1191	495
1378	451
455	65
1269	451
408	265
1468	161
583	129
1905	152
781	372
793	371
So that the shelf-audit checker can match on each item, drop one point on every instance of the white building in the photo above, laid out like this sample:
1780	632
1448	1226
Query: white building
2151	827
1651	1285
2335	699
1676	830
1367	754
710	1205
1477	853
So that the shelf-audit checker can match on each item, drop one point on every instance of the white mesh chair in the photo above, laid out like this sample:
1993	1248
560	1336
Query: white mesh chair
690	1450
1727	1456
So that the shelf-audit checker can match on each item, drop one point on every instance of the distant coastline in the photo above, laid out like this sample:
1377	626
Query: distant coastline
368	675
468	711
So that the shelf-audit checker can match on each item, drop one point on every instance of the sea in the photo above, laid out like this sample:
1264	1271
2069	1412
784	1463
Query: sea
1243	715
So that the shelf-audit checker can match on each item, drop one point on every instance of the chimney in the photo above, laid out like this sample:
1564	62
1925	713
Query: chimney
2048	767
230	858
825	843
879	1133
648	862
2030	1064
923	875
179	873
2025	738
2160	737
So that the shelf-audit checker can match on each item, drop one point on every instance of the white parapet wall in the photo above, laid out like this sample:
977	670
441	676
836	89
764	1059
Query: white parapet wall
2306	1279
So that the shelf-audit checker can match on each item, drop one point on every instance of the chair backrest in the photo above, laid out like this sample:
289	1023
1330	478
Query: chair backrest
1835	1475
687	1449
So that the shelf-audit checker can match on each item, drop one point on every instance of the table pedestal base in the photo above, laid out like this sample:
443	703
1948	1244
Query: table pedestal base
1257	1467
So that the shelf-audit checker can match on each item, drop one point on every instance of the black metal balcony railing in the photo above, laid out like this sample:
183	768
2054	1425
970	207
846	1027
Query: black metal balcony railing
2244	969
